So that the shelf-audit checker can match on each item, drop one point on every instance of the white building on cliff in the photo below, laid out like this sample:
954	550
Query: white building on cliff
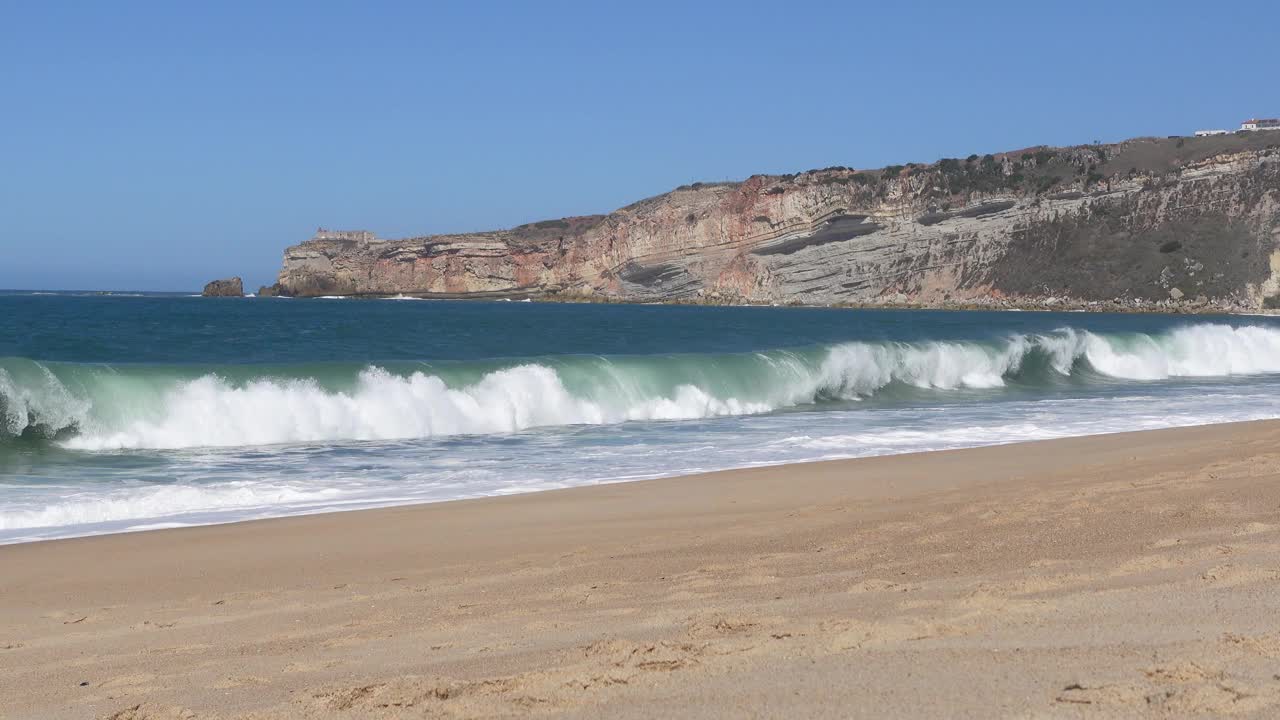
1247	126
1261	124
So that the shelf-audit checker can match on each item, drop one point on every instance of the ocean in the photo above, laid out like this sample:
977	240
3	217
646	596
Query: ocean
134	411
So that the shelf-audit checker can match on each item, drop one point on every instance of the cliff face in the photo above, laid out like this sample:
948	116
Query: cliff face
1171	221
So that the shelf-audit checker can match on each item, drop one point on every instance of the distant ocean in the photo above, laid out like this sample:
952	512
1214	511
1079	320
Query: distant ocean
131	411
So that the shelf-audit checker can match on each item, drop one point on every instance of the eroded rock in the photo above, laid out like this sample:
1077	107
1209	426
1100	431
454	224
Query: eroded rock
228	287
1093	226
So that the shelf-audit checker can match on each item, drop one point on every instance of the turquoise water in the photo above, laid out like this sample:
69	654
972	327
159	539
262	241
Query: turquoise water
128	412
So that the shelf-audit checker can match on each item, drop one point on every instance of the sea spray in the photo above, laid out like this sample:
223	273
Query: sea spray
102	407
114	420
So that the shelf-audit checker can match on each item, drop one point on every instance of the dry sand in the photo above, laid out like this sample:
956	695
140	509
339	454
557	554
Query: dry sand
1116	576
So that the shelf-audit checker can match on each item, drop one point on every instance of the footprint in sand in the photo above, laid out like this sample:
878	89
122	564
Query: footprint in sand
1231	575
1254	528
1265	645
127	681
151	711
1182	689
239	681
310	667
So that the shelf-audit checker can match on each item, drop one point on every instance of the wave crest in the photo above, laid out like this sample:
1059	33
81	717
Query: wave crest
102	408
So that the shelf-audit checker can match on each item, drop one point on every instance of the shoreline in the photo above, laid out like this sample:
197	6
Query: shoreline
1047	577
149	525
910	362
1061	305
1053	304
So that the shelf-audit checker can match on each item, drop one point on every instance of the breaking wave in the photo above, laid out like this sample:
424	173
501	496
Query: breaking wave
100	407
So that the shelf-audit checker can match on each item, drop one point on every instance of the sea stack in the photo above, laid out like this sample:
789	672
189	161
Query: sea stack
228	287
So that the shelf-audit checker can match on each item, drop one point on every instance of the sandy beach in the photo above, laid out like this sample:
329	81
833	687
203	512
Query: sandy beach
1111	576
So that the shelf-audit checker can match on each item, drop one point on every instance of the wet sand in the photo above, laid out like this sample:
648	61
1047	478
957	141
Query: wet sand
1114	576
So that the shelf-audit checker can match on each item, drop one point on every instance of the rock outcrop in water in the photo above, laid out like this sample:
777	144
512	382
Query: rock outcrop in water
229	287
1177	222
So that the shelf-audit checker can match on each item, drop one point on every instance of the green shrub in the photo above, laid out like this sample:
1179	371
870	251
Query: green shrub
1043	156
1046	183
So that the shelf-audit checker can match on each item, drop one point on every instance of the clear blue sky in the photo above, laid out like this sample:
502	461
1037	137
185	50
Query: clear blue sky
156	145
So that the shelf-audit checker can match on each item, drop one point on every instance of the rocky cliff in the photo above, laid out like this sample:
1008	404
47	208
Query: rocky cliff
1174	222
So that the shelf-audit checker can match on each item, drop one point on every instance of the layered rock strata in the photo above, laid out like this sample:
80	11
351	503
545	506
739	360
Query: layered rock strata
1171	222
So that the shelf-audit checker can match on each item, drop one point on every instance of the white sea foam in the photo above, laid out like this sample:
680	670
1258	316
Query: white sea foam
339	434
397	473
215	412
1194	351
163	501
210	411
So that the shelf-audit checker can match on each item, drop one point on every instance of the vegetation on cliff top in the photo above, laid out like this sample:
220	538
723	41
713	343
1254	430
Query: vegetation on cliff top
1056	173
1029	172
